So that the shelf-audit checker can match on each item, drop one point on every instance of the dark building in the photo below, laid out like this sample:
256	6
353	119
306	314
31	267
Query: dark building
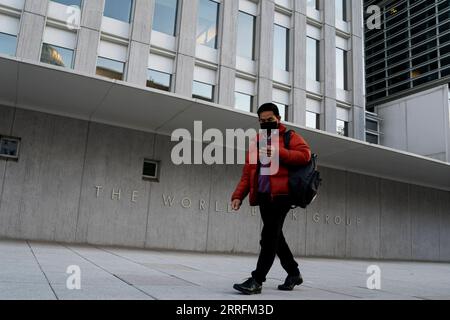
411	50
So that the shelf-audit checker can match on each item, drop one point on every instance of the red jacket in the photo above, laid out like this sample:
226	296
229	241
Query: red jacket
298	153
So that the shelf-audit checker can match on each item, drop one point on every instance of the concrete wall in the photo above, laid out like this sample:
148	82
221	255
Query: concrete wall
419	123
53	193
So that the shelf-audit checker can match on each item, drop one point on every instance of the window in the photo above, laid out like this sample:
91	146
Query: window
371	125
159	80
312	120
165	16
281	98
160	71
243	101
8	44
110	68
58	47
283	110
69	2
342	127
245	91
312	56
342	122
111	60
371	138
246	35
9	28
9	147
203	91
315	4
281	47
150	170
341	69
207	23
57	56
313	111
341	10
118	9
204	83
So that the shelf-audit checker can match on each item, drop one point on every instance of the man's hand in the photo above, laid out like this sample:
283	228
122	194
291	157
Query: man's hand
236	204
267	151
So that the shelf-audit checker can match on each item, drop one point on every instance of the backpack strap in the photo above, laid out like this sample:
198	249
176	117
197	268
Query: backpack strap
287	138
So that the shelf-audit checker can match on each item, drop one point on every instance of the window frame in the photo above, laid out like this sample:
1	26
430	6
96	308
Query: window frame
114	60
254	18
72	62
213	87
177	17
130	17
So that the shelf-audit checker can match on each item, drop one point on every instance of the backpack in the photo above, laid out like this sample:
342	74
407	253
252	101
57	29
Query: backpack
304	180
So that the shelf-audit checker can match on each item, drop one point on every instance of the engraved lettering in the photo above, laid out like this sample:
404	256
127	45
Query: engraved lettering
337	220
316	218
168	200
202	204
349	221
98	190
217	207
114	193
134	196
186	203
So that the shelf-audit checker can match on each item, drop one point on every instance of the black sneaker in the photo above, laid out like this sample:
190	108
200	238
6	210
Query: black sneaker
250	286
290	283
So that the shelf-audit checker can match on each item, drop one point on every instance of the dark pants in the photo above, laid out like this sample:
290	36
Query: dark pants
272	241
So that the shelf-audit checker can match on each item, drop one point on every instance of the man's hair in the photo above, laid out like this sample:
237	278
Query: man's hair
269	107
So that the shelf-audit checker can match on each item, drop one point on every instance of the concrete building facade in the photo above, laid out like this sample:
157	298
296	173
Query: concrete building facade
140	48
418	123
407	76
410	51
84	138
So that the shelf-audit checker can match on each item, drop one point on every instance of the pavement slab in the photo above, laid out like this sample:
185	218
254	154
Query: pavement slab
32	270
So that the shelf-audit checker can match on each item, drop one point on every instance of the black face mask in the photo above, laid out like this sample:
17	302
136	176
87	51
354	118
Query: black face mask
269	126
272	125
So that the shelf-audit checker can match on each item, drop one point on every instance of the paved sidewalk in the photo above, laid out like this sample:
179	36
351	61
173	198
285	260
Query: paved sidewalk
31	270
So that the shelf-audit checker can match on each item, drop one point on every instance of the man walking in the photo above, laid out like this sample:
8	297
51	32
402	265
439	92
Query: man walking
270	192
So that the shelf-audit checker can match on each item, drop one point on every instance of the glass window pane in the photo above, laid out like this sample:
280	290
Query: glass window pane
243	101
203	91
312	65
283	110
313	4
8	44
371	125
281	47
165	16
341	69
69	2
246	36
110	68
57	56
342	127
341	10
118	9
9	147
207	23
158	80
312	120
371	138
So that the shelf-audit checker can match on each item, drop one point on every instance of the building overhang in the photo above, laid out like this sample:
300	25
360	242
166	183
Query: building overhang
34	86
